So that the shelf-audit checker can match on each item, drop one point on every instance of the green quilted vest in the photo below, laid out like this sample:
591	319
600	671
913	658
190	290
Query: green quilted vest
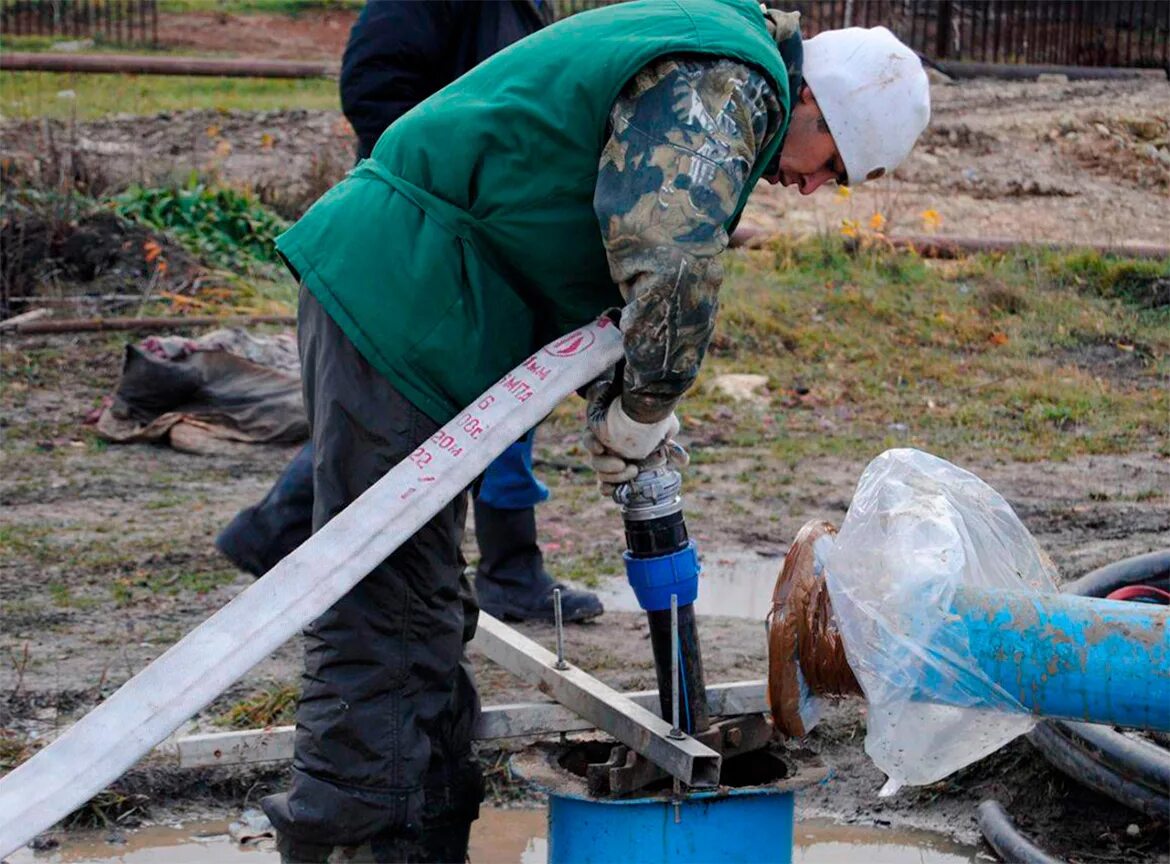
468	239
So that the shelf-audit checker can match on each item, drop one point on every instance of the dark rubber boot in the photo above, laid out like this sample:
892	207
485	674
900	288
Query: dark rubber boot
261	535
511	582
299	852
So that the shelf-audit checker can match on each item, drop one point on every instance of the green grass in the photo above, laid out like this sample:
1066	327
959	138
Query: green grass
589	569
26	95
1001	353
1034	355
271	706
37	44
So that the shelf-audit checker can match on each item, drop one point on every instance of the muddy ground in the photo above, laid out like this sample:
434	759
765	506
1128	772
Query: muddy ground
1082	161
106	554
108	559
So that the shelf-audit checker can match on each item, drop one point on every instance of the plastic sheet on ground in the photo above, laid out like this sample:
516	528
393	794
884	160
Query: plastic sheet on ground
213	394
918	528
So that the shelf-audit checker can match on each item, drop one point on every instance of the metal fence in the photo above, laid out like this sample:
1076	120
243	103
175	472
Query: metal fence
113	21
1130	33
1047	32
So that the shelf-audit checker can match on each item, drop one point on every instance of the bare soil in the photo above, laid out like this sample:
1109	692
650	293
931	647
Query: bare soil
107	554
316	34
108	559
1079	162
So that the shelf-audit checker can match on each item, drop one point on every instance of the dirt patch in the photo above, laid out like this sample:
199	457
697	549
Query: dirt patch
108	559
289	158
1081	161
98	254
993	163
1116	359
317	34
107	552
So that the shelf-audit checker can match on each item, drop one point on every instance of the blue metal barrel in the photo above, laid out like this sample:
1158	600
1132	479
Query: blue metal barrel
749	825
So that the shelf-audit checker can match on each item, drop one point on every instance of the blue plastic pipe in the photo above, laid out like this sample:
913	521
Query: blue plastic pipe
1060	656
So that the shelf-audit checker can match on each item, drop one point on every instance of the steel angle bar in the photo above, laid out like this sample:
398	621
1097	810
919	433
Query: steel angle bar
516	720
635	726
108	740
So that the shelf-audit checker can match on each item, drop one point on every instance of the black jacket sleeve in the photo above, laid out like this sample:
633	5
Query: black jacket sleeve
397	56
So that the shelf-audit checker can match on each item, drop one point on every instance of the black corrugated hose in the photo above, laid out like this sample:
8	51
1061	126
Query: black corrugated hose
1131	771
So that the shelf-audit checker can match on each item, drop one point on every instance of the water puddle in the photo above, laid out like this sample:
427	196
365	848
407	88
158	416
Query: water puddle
733	583
499	837
823	842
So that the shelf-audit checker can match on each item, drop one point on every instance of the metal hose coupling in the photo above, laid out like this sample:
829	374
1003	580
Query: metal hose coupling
660	558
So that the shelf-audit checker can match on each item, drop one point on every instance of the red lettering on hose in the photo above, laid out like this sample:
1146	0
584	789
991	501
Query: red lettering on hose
517	387
541	372
574	343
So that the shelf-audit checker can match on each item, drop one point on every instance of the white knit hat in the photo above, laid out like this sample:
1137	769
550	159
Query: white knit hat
873	94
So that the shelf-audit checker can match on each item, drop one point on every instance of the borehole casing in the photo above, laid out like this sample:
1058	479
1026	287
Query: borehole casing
747	821
749	825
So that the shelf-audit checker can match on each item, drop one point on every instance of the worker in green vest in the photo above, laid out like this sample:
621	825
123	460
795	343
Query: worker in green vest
599	163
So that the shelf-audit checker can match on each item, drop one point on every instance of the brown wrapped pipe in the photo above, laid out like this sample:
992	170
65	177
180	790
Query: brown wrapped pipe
803	639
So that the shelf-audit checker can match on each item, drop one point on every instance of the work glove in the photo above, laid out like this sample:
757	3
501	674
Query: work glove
613	470
620	446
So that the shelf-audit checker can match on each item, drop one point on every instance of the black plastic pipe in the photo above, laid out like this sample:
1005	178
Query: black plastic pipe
1141	760
1067	756
692	703
1007	841
1152	568
653	538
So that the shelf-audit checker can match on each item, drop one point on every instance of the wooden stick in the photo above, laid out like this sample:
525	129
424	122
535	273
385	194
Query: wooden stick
91	325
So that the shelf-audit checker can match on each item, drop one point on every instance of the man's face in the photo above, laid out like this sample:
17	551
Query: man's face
808	157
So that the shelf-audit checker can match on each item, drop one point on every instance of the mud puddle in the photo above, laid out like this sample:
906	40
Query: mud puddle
511	836
504	836
734	583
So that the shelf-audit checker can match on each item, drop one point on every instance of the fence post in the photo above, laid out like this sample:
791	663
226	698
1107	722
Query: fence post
942	35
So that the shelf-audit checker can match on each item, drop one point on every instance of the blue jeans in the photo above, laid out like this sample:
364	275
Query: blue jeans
508	483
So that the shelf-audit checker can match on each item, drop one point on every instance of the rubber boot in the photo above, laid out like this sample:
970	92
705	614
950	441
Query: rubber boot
263	534
511	582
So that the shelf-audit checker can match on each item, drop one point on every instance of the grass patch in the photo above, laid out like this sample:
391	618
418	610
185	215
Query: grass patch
590	569
1032	355
14	749
26	541
1144	283
271	706
108	809
62	95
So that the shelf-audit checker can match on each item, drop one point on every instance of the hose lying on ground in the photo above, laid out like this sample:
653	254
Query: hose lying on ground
1003	836
1069	754
1131	771
1152	569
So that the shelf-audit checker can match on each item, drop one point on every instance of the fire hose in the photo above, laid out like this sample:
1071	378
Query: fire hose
107	741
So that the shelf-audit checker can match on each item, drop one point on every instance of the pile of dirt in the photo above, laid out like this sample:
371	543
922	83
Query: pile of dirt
1014	159
289	158
1134	149
95	255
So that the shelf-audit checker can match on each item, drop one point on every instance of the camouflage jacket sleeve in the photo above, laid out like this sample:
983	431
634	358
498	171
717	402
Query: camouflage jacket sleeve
685	135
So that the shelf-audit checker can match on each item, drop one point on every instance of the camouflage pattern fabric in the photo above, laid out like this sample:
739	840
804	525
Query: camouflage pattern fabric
686	133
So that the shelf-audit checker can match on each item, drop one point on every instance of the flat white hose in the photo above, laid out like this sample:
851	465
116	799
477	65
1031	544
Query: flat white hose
108	740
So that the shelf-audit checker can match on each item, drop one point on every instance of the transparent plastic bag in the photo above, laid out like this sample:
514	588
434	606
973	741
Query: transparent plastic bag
919	527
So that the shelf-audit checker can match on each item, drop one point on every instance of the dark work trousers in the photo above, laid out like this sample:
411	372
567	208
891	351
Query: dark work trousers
383	740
